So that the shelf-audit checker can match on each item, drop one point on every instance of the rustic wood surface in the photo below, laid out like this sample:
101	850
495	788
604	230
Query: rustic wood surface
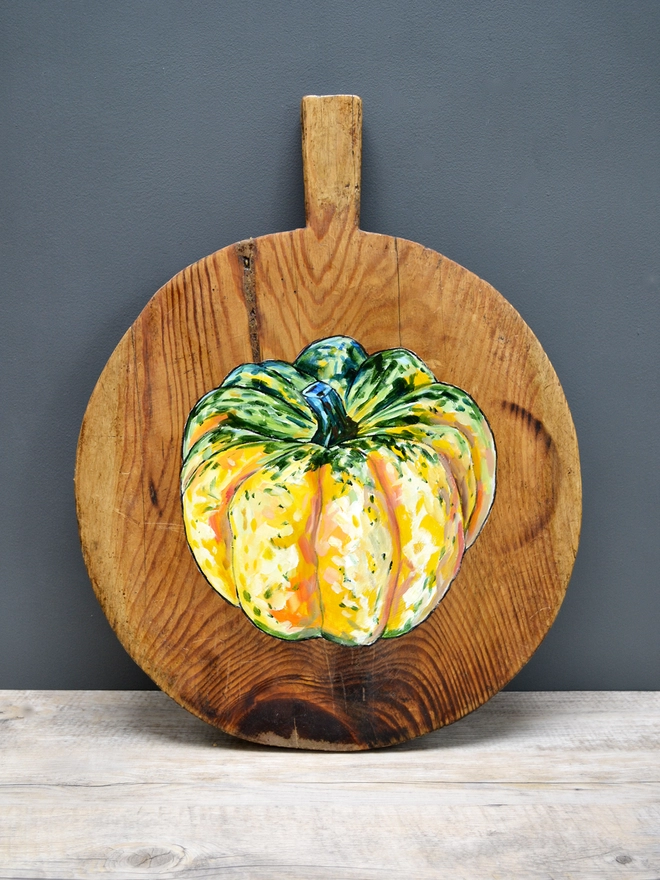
126	785
268	298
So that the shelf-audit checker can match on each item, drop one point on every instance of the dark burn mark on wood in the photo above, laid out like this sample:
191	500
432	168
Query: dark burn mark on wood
246	251
533	423
206	708
292	719
547	491
538	525
348	710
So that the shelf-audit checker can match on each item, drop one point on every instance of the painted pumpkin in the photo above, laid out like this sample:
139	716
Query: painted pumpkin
335	496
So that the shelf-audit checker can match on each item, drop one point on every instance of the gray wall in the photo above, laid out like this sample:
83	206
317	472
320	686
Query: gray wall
520	139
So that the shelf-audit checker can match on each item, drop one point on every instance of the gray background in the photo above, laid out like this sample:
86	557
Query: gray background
520	139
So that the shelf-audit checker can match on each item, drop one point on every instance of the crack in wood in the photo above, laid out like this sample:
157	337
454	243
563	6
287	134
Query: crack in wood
246	251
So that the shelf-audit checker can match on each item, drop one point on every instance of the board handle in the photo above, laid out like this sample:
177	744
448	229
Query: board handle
332	158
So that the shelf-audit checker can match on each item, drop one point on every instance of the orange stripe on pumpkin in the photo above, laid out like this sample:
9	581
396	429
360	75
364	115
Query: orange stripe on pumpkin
204	427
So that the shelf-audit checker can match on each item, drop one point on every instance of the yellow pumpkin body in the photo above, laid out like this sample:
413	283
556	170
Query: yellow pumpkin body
351	541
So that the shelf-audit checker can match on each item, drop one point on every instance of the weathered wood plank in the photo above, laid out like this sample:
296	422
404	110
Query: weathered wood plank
123	785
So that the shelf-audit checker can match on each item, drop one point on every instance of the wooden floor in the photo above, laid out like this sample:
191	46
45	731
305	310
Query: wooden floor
128	785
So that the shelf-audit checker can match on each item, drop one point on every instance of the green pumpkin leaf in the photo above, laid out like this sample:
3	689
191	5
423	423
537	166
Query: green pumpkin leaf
383	379
334	360
431	405
287	371
275	378
248	409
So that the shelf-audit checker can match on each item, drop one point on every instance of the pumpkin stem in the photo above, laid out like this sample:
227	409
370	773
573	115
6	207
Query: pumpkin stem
334	425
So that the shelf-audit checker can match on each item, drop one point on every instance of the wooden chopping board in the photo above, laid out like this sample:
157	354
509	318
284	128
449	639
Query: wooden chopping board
269	298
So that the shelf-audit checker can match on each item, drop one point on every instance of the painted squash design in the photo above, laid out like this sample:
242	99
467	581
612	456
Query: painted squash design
335	496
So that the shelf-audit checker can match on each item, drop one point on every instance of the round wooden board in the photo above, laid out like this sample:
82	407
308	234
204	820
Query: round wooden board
268	298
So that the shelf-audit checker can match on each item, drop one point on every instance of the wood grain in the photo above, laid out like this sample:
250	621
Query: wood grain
111	784
269	297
